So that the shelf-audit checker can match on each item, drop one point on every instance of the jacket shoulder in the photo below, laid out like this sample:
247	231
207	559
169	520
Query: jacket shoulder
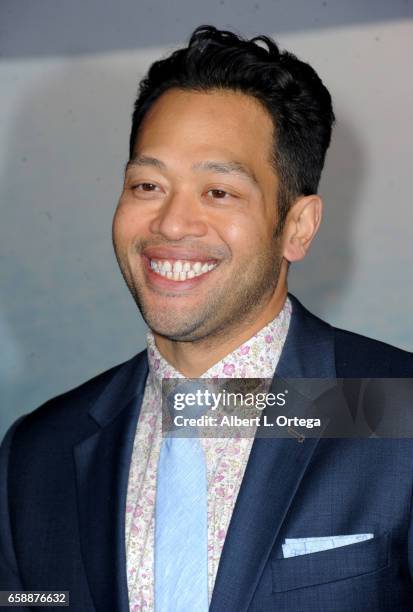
355	355
360	356
68	411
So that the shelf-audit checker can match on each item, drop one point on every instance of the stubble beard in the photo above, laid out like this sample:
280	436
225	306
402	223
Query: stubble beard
224	311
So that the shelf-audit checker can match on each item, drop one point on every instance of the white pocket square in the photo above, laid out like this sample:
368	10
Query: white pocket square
293	547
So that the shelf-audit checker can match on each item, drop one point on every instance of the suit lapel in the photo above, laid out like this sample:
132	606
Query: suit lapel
274	470
102	468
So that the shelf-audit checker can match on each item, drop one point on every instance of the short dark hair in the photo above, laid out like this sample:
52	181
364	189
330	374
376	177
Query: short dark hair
289	89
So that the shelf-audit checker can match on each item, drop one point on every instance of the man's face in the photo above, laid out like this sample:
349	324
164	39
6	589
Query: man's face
194	229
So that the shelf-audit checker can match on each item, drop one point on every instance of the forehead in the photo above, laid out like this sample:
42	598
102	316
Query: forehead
226	123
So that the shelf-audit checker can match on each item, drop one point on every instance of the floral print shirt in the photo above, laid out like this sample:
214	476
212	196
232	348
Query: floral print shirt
226	458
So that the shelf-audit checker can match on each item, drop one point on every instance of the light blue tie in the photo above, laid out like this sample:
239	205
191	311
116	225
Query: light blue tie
181	535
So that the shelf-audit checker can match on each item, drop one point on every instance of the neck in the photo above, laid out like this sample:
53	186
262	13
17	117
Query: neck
194	358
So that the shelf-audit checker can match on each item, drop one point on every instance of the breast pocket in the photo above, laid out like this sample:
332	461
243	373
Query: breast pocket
330	565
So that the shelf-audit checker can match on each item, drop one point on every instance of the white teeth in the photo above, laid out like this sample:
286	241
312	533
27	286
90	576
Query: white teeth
177	267
180	270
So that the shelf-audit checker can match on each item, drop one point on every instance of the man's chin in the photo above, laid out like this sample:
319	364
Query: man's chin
177	334
179	329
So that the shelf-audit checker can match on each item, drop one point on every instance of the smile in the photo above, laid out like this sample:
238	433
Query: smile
180	270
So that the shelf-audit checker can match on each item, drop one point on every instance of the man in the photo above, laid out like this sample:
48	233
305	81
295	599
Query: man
227	146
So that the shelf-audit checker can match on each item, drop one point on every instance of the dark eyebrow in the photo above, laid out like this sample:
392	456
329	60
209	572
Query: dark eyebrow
222	167
230	167
144	160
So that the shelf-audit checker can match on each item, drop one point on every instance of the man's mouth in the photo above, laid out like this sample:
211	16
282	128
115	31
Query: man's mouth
178	270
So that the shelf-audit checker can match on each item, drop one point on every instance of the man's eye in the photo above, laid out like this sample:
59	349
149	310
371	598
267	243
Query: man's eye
144	187
219	194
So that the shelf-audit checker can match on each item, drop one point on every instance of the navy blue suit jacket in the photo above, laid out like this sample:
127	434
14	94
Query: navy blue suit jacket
63	483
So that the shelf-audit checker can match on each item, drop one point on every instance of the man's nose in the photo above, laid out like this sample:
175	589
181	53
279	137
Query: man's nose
180	216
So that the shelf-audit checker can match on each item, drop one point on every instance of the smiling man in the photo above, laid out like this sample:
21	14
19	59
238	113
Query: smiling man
197	233
228	142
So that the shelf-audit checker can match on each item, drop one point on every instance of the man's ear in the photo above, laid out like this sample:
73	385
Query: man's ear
301	225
